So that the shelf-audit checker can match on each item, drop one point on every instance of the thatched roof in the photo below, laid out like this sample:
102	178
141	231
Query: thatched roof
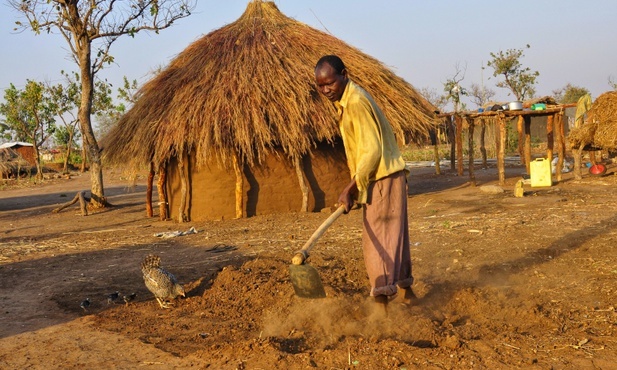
249	87
601	129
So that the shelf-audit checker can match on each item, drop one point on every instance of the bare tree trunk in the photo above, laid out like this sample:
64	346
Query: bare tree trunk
37	160
87	90
84	155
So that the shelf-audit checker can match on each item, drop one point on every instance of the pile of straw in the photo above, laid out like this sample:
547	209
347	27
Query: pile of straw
601	128
603	114
247	88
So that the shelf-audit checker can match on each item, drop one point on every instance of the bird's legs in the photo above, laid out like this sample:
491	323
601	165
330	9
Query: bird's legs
163	303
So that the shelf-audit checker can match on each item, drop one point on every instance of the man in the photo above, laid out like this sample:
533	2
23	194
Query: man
378	180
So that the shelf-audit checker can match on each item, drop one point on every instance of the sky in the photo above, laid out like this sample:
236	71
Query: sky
424	42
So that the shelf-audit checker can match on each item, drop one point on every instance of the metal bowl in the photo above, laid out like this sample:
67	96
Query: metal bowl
515	105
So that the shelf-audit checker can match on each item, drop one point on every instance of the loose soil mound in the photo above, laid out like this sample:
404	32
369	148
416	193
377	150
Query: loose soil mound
502	282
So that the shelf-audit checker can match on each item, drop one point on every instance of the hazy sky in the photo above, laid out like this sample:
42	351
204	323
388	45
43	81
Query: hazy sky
422	41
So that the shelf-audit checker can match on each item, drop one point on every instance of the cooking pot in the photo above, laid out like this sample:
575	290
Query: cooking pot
515	105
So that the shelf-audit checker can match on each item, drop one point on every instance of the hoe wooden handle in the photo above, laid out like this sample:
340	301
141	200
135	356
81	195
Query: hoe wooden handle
303	253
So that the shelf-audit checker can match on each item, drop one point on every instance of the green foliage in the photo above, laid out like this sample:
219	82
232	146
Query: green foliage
28	113
518	79
453	90
569	94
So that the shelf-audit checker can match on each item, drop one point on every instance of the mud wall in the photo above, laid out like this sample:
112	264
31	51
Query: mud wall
271	187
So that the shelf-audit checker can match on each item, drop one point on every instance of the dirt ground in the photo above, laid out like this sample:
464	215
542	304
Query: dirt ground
502	282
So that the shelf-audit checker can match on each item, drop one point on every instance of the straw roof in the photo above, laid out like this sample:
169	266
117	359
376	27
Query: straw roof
247	88
601	129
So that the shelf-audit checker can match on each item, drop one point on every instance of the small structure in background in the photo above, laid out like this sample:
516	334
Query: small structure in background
16	157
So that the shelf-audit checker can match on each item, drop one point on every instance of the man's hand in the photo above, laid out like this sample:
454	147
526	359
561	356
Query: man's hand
348	196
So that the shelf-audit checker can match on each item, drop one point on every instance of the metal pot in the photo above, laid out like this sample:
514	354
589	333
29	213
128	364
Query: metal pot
515	105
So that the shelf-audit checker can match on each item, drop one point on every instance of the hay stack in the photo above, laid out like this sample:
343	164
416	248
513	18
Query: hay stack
603	114
247	88
601	128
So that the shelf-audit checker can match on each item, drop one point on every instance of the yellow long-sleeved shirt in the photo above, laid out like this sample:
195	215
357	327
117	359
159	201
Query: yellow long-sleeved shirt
370	145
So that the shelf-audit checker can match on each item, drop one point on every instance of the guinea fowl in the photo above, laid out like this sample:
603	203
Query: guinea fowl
159	281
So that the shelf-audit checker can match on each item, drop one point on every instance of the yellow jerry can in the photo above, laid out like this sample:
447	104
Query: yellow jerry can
540	174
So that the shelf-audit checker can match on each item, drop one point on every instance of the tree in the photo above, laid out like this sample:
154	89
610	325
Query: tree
29	116
454	90
127	94
90	28
479	95
67	96
569	94
438	101
519	80
67	100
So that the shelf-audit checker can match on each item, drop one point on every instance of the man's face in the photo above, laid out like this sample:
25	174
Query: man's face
330	83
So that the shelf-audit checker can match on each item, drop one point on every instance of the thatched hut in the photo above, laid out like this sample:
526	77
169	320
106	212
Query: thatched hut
235	125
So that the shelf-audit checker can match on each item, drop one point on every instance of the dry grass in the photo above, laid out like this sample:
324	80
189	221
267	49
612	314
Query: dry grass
601	129
247	88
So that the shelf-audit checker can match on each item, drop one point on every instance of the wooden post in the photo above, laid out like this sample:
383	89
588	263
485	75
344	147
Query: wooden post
501	151
527	120
239	186
436	158
482	142
559	121
550	124
149	212
450	132
182	216
472	176
301	181
459	143
578	153
520	125
161	186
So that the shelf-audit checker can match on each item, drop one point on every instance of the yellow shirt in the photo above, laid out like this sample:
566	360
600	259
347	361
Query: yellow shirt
370	145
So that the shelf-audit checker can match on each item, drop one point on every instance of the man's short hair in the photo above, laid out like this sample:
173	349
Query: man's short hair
334	62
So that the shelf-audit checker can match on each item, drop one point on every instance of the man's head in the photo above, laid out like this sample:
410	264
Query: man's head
331	77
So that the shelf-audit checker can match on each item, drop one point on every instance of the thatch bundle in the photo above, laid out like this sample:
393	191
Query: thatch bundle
603	113
601	129
247	88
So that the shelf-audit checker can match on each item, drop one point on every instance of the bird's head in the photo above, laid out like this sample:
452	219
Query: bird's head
179	290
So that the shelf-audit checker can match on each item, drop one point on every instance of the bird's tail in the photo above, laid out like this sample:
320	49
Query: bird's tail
150	262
